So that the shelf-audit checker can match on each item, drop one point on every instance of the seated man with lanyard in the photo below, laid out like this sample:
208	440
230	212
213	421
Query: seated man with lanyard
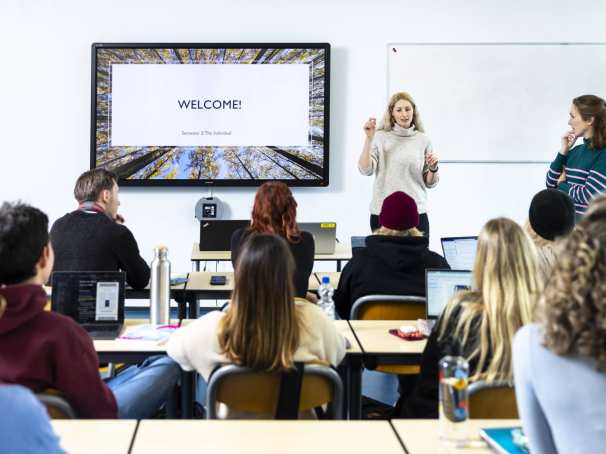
93	237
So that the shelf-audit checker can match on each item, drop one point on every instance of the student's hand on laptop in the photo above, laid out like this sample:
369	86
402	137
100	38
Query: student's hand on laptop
119	218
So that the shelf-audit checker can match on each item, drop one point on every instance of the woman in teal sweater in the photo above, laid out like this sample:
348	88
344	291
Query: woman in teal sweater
580	171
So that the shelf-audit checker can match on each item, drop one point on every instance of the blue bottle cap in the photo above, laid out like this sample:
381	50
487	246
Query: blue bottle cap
325	280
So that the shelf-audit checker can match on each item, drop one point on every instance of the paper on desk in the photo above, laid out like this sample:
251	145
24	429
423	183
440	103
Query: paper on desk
150	332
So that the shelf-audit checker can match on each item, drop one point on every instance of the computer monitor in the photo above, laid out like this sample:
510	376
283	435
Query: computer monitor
441	285
460	251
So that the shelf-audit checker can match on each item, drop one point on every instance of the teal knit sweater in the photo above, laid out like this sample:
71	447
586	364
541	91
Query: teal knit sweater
585	174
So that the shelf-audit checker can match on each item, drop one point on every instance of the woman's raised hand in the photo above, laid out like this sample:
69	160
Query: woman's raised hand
566	141
432	160
370	127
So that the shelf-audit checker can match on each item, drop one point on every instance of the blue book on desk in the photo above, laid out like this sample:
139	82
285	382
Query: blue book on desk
501	440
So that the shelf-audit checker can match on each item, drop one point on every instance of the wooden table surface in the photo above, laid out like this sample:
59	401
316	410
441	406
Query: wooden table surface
266	437
374	337
95	436
420	436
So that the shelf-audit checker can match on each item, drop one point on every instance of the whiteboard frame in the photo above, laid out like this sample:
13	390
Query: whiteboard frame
389	47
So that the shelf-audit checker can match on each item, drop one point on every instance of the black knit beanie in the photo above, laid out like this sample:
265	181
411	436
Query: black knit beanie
551	214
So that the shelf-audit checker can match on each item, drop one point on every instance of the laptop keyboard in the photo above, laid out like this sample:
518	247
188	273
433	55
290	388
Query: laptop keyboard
103	332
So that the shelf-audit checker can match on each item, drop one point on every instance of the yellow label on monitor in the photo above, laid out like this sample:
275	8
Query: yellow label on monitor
328	225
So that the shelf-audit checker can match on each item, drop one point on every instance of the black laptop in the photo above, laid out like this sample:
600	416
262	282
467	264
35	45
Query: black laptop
94	299
216	235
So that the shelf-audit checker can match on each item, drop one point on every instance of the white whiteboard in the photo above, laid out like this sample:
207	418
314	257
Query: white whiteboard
496	102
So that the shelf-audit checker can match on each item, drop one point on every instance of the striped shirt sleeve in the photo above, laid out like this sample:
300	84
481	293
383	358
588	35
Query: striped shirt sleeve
594	184
555	170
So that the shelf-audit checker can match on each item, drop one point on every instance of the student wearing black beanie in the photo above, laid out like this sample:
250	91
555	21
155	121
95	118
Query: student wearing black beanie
550	217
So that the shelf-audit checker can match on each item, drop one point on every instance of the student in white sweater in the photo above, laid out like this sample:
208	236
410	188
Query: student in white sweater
559	364
400	156
265	327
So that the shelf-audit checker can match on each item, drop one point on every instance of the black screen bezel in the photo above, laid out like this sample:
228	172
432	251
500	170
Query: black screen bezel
323	182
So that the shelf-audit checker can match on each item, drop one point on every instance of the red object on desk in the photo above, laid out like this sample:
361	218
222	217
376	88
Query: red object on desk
412	336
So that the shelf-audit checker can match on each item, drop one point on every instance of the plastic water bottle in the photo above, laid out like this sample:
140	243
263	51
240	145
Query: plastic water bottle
159	287
454	401
326	303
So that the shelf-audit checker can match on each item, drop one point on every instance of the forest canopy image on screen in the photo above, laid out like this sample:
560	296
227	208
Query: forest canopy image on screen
198	114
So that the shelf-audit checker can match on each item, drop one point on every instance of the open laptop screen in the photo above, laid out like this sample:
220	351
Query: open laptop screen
89	297
324	234
441	285
460	252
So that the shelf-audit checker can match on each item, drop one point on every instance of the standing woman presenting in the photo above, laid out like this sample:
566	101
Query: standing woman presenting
401	157
580	171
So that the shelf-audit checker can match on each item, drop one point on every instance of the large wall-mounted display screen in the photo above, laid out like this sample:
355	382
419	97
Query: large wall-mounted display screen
211	114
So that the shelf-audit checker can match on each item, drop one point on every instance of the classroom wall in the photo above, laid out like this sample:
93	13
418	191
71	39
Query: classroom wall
45	98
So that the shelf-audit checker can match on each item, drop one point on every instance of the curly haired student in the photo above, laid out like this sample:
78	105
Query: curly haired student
560	363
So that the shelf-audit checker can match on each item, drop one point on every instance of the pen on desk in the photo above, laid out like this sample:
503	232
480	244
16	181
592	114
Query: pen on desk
317	278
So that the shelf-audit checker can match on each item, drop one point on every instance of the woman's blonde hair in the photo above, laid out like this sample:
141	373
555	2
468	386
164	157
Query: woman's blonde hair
388	120
505	288
384	231
573	307
260	329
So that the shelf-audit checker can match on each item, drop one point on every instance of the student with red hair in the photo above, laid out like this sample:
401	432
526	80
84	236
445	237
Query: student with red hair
275	212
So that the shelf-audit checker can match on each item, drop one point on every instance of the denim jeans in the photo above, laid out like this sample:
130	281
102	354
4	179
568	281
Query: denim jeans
141	390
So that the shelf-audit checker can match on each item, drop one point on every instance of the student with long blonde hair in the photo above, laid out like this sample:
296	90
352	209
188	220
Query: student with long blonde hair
266	327
479	324
560	363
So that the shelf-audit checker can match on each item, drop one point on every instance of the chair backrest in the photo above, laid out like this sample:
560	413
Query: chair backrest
496	400
247	390
56	406
388	307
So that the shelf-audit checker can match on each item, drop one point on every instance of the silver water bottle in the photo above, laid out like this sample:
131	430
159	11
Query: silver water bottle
159	287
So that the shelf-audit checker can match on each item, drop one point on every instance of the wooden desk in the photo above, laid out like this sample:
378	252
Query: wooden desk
384	348
421	435
342	252
199	287
381	348
127	350
345	330
95	436
266	437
